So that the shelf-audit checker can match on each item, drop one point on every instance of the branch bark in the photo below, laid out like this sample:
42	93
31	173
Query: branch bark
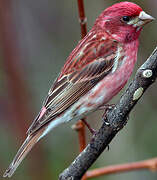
114	120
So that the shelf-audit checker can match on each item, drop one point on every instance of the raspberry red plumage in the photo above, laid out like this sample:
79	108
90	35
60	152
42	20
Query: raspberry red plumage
96	70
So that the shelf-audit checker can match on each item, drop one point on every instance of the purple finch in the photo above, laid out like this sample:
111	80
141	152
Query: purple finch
96	70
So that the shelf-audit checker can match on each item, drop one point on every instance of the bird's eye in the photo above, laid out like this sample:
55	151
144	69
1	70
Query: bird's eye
126	18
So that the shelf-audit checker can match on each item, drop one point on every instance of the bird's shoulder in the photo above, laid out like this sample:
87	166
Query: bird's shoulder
95	45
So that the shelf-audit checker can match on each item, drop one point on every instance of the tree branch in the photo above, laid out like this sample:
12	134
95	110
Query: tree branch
150	164
82	18
114	120
80	128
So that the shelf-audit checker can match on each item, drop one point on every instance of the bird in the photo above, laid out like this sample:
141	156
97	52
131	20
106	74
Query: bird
95	71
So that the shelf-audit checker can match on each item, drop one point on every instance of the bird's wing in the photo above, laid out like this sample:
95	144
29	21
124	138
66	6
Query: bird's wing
85	67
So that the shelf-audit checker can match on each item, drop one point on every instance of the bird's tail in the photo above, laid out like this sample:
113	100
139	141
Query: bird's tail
28	144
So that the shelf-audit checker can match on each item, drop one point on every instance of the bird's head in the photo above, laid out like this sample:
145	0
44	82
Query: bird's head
123	21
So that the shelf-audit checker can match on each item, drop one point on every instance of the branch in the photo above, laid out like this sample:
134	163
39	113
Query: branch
114	120
82	18
150	164
80	127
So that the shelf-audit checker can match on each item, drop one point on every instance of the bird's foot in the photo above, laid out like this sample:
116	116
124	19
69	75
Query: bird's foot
106	108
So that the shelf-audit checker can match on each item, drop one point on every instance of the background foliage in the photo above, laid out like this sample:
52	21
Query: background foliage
45	34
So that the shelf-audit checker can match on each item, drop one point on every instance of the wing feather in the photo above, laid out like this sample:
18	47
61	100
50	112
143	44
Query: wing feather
70	86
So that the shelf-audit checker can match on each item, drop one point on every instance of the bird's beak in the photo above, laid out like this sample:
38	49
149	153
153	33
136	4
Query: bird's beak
144	18
141	20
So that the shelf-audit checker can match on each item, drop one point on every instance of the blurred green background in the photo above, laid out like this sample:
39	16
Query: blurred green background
36	37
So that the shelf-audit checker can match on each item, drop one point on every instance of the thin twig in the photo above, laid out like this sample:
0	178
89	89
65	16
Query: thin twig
150	164
82	18
114	120
80	128
80	125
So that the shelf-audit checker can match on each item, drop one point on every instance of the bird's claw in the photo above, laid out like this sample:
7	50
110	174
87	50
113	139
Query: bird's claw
106	108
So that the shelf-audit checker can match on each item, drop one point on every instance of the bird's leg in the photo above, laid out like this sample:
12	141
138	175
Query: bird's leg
106	108
93	131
